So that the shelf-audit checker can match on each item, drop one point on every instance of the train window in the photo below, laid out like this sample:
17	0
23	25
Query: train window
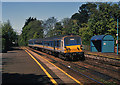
57	43
32	42
40	43
46	44
54	44
72	41
66	41
51	43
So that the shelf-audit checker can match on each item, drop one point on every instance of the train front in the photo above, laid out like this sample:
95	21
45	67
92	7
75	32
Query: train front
73	48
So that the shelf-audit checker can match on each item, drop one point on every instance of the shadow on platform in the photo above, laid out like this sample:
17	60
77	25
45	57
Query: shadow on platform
21	79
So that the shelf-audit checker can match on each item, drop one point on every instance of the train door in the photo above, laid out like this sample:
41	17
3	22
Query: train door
62	45
58	44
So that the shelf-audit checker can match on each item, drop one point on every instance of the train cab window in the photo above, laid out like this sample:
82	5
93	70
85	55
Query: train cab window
67	41
72	41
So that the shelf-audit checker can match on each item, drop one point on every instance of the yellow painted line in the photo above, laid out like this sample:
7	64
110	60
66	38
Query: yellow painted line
52	80
62	71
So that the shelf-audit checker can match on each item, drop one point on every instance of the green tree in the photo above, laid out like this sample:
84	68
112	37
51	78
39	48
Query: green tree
103	21
8	36
29	20
85	12
85	34
67	26
32	30
36	35
75	27
58	29
49	26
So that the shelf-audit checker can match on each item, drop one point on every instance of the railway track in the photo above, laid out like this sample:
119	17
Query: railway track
98	64
84	69
106	60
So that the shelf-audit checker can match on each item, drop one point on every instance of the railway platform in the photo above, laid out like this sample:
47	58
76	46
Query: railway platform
21	66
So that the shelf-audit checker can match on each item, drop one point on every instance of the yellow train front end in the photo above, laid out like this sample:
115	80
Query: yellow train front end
73	48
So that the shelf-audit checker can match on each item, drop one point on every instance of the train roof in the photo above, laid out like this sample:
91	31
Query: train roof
60	37
53	38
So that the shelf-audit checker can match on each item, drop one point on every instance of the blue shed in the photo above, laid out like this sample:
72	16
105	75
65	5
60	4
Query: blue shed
102	43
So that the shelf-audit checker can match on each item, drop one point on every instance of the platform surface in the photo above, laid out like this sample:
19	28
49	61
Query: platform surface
19	68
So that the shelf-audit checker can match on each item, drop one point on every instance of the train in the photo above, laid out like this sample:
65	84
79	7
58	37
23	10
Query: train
67	47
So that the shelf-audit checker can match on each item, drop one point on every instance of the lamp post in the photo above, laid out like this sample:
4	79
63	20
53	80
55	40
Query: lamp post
117	36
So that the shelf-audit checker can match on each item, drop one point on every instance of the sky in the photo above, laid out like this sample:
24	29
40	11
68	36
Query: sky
18	12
